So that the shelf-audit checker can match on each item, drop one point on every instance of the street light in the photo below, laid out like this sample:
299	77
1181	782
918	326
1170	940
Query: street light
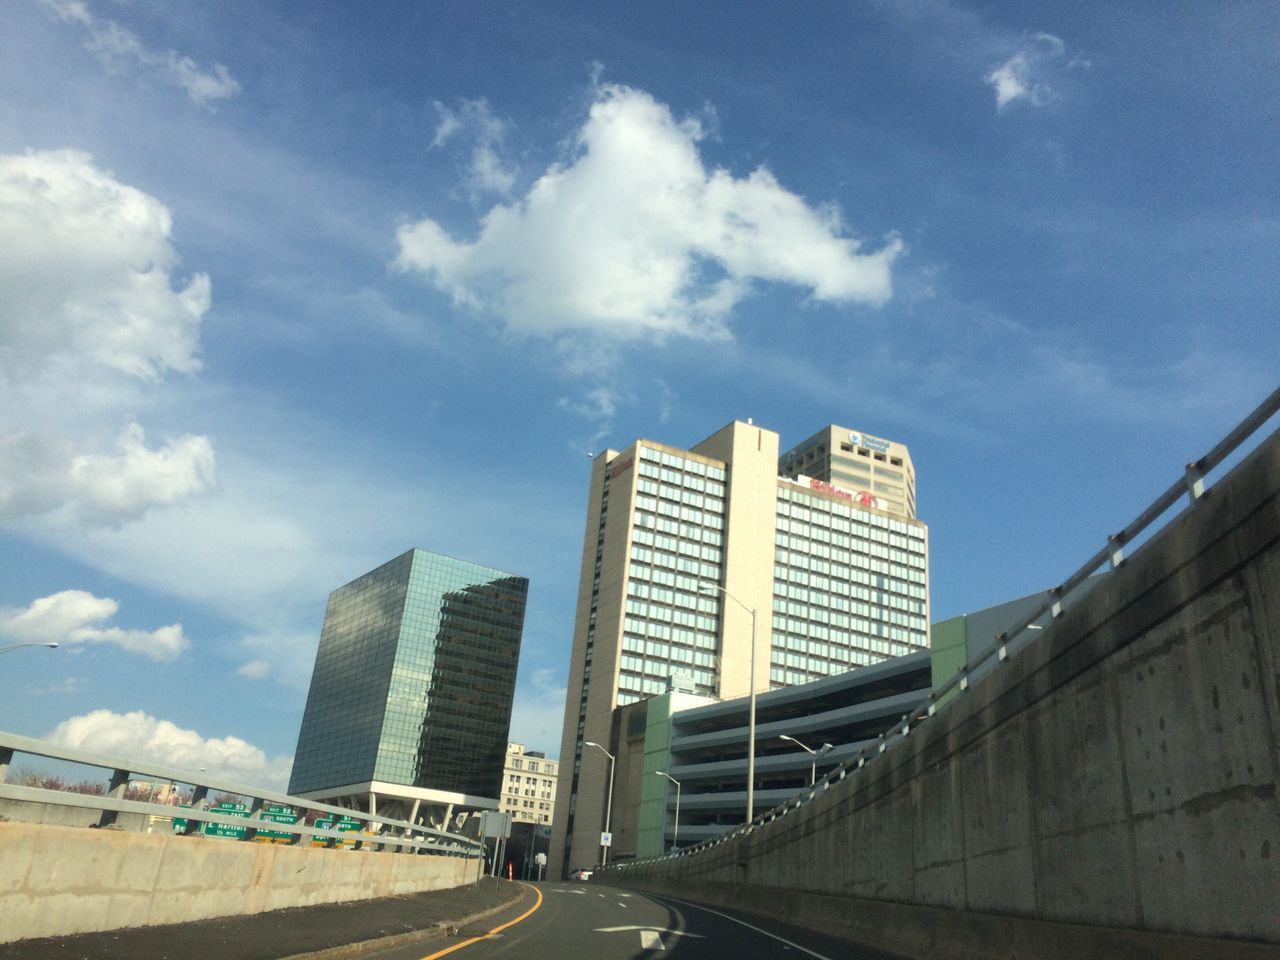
17	646
813	755
608	810
751	721
675	834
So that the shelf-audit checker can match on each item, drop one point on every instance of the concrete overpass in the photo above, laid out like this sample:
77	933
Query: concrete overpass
1109	790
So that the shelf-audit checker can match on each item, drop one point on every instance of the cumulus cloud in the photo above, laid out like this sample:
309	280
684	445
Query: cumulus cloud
89	312
635	237
138	736
1031	74
75	617
120	49
85	270
138	478
38	476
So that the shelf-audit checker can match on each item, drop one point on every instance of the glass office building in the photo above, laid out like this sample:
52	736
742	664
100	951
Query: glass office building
410	700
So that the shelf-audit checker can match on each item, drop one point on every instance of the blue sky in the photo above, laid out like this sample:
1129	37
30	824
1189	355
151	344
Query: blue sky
287	289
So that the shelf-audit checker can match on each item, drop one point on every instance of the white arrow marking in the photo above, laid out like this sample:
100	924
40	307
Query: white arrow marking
659	930
649	940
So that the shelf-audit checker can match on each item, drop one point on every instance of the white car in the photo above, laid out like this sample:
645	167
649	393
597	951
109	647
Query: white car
580	875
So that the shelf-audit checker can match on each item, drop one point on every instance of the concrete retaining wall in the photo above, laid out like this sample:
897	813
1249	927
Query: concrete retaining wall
1119	775
62	880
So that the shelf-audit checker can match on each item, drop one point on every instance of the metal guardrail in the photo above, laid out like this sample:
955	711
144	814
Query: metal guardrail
1191	484
379	834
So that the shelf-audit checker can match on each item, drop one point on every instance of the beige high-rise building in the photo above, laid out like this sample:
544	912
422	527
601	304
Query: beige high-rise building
682	545
528	785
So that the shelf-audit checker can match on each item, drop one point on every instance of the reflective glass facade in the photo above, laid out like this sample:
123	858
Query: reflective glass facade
414	679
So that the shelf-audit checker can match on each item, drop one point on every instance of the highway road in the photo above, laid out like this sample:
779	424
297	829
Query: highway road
588	921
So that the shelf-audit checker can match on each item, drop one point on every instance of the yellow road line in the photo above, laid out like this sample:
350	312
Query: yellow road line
496	930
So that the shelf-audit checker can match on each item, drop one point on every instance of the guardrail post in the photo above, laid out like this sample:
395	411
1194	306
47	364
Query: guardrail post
255	815
199	801
1116	543
115	790
1194	480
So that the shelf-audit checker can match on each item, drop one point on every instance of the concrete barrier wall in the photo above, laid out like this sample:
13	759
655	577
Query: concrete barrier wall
56	880
1119	775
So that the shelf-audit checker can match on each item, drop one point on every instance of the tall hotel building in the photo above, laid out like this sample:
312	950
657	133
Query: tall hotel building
822	542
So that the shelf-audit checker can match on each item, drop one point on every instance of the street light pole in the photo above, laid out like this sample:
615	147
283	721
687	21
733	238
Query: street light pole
608	810
751	719
18	646
675	834
813	755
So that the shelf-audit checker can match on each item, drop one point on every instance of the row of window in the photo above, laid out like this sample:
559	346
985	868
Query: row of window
639	590
838	607
661	616
843	581
815	561
792	632
646	660
687	635
672	484
706	570
688	465
674	545
856	551
632	687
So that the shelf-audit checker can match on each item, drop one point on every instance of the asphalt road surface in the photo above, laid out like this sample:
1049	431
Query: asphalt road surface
585	921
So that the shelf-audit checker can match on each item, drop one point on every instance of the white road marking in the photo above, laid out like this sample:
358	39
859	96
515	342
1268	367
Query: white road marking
660	930
578	892
773	936
649	940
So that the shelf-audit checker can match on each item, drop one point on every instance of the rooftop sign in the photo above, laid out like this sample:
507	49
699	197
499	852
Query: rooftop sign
868	441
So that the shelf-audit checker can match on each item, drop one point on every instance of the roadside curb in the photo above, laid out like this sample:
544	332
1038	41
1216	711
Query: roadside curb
438	929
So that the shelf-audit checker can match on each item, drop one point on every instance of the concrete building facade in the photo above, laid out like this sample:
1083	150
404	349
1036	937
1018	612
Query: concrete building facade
689	552
410	700
528	785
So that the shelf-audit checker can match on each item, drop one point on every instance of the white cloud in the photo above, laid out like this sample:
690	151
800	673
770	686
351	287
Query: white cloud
599	404
255	669
89	316
486	170
85	272
137	736
120	49
1031	74
74	616
634	237
39	476
125	486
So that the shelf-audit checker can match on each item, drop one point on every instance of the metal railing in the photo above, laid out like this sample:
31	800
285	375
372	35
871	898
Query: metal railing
379	833
1191	484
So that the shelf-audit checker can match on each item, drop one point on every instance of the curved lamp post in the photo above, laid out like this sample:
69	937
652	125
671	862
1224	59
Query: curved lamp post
813	756
608	810
751	720
17	646
675	834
